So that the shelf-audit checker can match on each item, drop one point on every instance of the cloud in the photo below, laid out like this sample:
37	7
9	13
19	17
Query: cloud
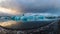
52	6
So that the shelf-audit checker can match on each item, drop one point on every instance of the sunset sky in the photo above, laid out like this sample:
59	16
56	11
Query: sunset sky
34	6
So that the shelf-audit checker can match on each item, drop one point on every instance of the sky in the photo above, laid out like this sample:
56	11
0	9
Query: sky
32	6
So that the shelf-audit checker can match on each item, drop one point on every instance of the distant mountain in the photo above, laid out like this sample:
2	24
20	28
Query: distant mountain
4	14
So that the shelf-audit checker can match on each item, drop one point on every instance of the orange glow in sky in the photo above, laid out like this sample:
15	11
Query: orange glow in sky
9	11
